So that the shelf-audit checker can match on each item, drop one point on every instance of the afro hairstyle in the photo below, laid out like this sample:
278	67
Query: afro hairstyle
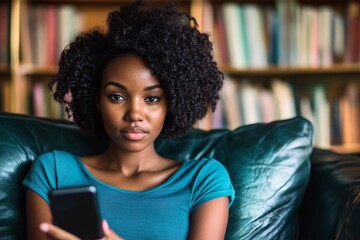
170	44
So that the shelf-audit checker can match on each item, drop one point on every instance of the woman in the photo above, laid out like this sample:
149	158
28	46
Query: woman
152	73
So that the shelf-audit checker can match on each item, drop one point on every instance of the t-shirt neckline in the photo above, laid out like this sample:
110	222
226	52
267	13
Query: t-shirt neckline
161	185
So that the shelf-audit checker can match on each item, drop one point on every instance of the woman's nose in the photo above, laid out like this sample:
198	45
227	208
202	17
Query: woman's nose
134	112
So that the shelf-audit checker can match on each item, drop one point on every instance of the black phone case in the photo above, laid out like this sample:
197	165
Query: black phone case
76	211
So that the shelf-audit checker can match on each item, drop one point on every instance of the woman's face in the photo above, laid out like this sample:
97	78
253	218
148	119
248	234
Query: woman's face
132	103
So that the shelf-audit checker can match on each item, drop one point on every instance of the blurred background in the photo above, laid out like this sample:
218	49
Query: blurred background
280	58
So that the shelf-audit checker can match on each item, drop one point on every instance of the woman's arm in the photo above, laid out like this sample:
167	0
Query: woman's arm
37	211
39	214
209	221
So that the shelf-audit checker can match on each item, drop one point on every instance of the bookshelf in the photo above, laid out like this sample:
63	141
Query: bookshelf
286	61
40	29
329	77
341	70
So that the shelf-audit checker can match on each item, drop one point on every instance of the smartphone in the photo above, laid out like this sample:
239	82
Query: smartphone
76	210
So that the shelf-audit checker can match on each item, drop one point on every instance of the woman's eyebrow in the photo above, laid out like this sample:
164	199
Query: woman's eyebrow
116	84
152	87
119	85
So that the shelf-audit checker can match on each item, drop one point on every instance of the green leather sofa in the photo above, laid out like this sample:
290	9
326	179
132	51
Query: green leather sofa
285	189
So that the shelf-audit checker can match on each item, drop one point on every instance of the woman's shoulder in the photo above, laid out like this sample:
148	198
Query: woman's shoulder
57	164
206	162
55	153
211	181
50	157
205	167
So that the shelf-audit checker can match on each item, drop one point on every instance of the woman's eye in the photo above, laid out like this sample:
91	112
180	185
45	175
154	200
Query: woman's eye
152	99
116	97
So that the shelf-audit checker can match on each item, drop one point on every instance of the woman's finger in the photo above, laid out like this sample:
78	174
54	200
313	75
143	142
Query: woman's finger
109	234
56	233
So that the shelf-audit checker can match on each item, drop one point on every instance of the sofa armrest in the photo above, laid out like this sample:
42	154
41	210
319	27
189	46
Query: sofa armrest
331	205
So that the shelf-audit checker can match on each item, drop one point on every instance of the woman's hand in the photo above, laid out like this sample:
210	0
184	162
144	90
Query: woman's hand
53	232
108	233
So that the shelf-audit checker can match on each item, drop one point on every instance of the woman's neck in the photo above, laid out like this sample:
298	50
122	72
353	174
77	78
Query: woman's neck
130	163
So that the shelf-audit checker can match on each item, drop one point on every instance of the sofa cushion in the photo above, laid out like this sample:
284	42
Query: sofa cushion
331	205
268	165
22	138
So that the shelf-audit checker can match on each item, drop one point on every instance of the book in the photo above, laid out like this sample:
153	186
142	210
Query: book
292	35
4	34
314	45
268	18
303	44
39	35
39	100
335	122
274	22
284	99
283	32
249	102
229	103
352	51
321	116
338	26
51	35
267	104
235	34
26	38
335	91
255	36
325	49
349	111
221	50
66	25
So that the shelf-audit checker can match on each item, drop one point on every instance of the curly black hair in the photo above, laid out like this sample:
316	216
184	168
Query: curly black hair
170	44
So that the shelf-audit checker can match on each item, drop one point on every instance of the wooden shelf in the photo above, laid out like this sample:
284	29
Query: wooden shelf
346	149
101	2
292	71
39	71
79	1
266	72
219	2
324	2
267	2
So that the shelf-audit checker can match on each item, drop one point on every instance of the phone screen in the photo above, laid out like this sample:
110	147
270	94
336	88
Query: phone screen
76	211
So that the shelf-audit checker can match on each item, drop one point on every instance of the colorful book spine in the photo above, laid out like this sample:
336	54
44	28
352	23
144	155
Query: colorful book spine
4	34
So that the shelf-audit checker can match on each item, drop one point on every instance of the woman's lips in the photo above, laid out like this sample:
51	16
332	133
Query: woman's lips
134	133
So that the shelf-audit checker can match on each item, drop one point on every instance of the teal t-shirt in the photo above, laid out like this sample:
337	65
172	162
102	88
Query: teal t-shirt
161	212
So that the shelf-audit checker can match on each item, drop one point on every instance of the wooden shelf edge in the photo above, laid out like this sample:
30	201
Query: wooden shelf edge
272	2
267	2
80	1
292	71
46	71
264	72
346	149
97	1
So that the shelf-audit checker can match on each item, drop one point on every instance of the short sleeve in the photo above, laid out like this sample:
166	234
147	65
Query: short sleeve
212	182
41	177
